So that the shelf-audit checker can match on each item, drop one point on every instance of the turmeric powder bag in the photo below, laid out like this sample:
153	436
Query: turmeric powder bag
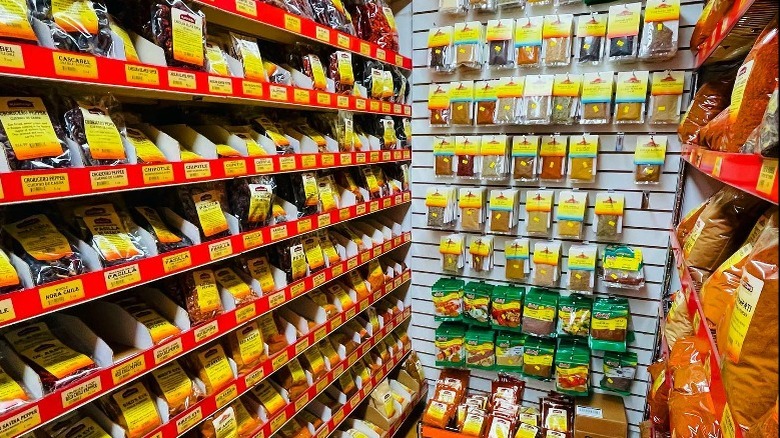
750	369
691	411
658	397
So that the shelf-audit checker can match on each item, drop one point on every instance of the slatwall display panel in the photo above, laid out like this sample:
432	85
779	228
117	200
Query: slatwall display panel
649	208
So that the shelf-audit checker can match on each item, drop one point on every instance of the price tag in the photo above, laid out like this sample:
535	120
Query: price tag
287	163
352	263
399	60
220	249
81	392
264	165
342	41
235	167
220	85
407	110
188	421
308	161
301	402
301	96
373	206
197	170
253	239
254	377
374	106
323	99
386	107
360	209
716	167
360	157
278	93
278	232
328	160
122	277
342	101
387	202
344	214
380	54
320	334
727	424
407	196
397	155
297	289
157	173
323	220
206	331
276	300
226	396
374	156
345	159
61	293
292	23
108	179
302	345
365	49
278	421
303	225
386	155
7	312
322	34
318	279
251	88
11	56
37	185
387	246
168	351
280	360
767	176
128	370
321	385
245	313
176	261
76	66
136	74
360	104
397	109
177	79
337	270
248	7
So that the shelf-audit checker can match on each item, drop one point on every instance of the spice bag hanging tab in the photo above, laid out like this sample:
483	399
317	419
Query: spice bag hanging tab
440	49
583	154
500	44
582	268
471	201
452	250
547	263
538	355
439	105
468	44
572	368
111	232
525	151
447	297
557	40
449	341
517	264
566	99
94	124
467	151
597	97
574	314
666	90
552	154
538	208
506	307
462	103
609	215
623	31
591	36
623	267
661	30
630	96
494	157
649	158
481	251
572	205
31	138
537	99
503	210
444	156
528	41
509	106
609	324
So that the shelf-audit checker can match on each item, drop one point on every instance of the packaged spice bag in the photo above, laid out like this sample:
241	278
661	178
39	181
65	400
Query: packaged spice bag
582	268
619	371
246	51
485	98
509	105
537	98
449	340
374	21
471	201
476	303
516	256
140	149
467	153
547	263
566	99
552	157
503	210
596	98
133	409
204	205
17	25
583	158
572	205
181	32
649	158
557	39
509	352
572	368
468	38
574	313
623	267
453	6
111	233
333	14
528	41
275	132
609	324
609	215
441	207
197	292
447	298
623	31
452	250
439	105
212	367
31	137
340	70
591	38
462	103
166	237
443	156
500	45
481	251
525	151
506	307
538	357
74	26
494	157
630	97
94	124
480	348
9	281
440	49
251	200
538	208
661	30
666	90
45	246
482	5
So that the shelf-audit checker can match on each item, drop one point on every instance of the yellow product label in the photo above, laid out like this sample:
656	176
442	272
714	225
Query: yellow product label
650	150
102	136
344	63
217	63
434	198
538	85
553	146
58	359
229	280
145	149
572	205
597	87
29	128
510	87
225	424
260	270
546	254
127	43
528	31
313	250
667	83
269	397
187	36
631	86
389	17
470	198
137	408
206	290
250	343
40	238
539	200
439	96
75	16
525	146
738	91
468	145
10	390
619	323
748	294
485	90
540	360
480	247
216	366
662	10
212	219
525	430
557	26
14	20
85	428
594	25
540	313
518	249
583	146
500	30
8	275
109	233
440	36
502	200
260	198
624	20
318	73
158	326
567	85
609	204
161	231
494	145
251	59
462	91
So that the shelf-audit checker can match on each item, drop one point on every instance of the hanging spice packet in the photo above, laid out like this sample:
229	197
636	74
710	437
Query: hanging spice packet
485	97
609	215
440	49
449	342
537	98
623	267
525	151
591	37
528	41
468	38
538	355
666	90
552	157
494	157
509	109
582	268
440	204
649	158
547	263
447	298
500	44
619	372
503	210
452	250
476	303
462	103
609	324
572	368
509	352
453	6
481	251
471	201
557	40
566	99
623	31
572	205
661	30
583	153
443	156
439	105
506	307
630	97
574	314
516	256
538	207
467	152
596	97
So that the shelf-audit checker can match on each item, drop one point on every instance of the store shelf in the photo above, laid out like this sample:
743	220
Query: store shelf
151	81
736	33
54	404
422	396
21	186
340	415
701	331
750	173
260	19
41	300
318	387
435	432
196	413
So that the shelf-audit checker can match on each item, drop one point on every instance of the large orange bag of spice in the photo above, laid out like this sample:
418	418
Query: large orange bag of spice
709	20
766	427
708	102
749	369
691	411
711	135
658	397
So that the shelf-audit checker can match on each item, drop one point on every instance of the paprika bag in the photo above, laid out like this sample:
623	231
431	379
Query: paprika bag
708	102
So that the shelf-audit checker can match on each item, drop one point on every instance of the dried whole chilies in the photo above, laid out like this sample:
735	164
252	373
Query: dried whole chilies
30	137
90	124
204	206
76	25
181	32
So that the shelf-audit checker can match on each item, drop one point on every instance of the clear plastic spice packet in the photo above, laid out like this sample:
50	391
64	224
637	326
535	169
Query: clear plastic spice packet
467	153
500	44
525	152
485	98
596	97
609	215
661	30
462	103
630	97
494	157
623	32
452	250
572	205
566	99
591	38
649	158
453	6
509	92
666	89
482	5
439	105
547	264
469	39
444	156
623	267
471	201
557	39
440	203
516	255
537	98
510	4
503	210
582	268
528	41
538	208
440	49
583	154
552	157
481	252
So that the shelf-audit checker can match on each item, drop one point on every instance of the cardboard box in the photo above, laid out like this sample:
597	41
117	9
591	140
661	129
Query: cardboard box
600	416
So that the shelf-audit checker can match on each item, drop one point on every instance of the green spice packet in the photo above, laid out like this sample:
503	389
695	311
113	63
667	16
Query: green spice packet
506	307
539	312
572	367
574	314
449	340
509	352
609	324
447	297
619	372
476	303
538	355
480	348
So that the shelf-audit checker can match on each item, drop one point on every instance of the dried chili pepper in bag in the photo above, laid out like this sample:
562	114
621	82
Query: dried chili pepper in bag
375	22
204	205
76	25
251	200
180	31
31	137
340	70
111	233
333	14
166	237
94	124
197	292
